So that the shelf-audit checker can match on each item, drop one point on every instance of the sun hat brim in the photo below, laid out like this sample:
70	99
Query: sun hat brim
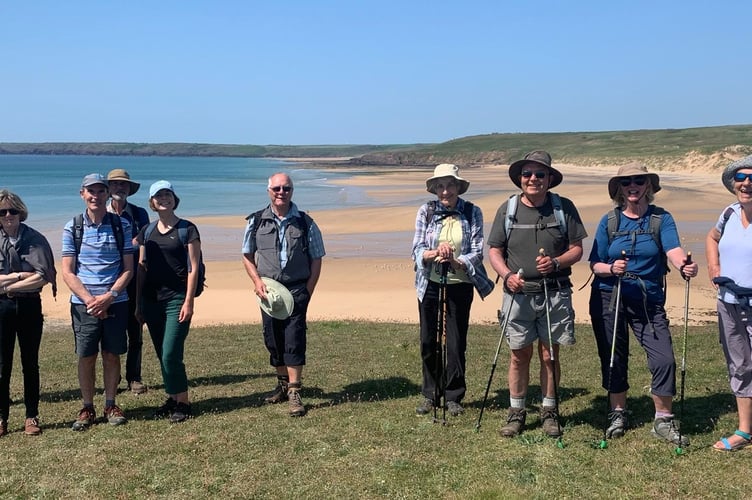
279	302
631	170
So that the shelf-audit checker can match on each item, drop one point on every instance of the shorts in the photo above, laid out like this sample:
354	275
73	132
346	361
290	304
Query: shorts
90	332
527	318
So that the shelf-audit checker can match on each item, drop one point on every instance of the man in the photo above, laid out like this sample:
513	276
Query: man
121	186
533	220
284	244
97	265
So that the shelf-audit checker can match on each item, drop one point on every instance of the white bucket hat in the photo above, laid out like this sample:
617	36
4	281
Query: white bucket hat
447	170
278	303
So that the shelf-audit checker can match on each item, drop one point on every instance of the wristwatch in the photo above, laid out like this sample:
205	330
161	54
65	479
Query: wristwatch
114	293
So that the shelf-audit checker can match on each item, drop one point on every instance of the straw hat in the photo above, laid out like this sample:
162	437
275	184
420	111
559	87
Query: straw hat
728	173
539	157
447	170
120	174
278	303
629	170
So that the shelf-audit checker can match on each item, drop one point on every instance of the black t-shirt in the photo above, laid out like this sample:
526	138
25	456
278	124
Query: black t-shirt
166	261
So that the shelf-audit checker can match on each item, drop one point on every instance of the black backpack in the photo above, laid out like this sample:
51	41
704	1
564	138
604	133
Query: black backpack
117	230
182	227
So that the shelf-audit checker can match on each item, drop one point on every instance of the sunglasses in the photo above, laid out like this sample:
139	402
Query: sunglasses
740	177
640	180
277	189
538	175
6	211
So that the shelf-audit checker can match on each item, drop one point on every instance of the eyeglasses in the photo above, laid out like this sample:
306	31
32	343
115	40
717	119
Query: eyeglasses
6	211
538	175
440	186
741	177
277	189
640	180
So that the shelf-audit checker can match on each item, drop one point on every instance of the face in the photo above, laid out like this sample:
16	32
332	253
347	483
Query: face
743	185
119	190
447	191
95	197
534	179
634	187
10	218
163	200
280	191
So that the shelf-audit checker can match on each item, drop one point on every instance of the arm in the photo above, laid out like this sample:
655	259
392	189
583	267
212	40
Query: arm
186	310
547	265
314	277
512	281
140	280
678	259
21	282
250	268
712	254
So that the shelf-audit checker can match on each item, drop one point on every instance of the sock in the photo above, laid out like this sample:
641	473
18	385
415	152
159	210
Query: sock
109	402
517	402
89	405
549	402
663	414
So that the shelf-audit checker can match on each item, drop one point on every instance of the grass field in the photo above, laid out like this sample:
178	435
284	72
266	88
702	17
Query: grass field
361	437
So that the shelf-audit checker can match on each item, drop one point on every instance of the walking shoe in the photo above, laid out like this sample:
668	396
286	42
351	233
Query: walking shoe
181	413
425	407
3	427
279	393
515	422
665	428
31	427
297	409
137	387
550	420
166	409
85	419
454	408
618	423
115	415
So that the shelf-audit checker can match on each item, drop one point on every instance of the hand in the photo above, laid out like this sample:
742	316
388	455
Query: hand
444	253
260	290
688	270
514	282
619	267
544	264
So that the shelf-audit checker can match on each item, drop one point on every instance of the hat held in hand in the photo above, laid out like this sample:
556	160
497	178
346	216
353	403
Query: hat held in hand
278	303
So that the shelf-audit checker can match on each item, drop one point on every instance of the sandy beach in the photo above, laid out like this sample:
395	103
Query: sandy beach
367	272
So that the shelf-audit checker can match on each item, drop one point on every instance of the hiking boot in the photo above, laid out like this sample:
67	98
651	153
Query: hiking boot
279	394
665	428
115	415
454	408
31	427
297	409
85	419
137	387
425	407
618	423
515	422
165	410
550	421
3	427
181	413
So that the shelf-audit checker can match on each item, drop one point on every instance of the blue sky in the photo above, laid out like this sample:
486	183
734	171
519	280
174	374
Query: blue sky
366	72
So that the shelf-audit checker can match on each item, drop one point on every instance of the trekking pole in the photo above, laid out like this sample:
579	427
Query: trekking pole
604	444
679	449
441	354
559	441
496	357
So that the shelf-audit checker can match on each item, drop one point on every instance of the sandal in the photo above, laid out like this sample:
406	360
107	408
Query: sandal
727	446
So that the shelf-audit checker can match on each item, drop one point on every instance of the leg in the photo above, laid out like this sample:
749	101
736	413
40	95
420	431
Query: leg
86	378
173	349
111	374
7	346
295	330
135	338
29	340
459	300
428	310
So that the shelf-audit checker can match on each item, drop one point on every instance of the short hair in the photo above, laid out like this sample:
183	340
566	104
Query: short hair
14	201
154	207
620	201
269	181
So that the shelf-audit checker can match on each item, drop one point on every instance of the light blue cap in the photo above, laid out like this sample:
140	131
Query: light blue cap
158	186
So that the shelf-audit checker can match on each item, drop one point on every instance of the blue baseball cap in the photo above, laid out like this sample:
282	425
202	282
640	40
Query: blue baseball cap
92	179
158	186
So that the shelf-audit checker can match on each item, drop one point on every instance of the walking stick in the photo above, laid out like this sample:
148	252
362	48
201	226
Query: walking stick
551	356
441	349
679	449
496	357
604	444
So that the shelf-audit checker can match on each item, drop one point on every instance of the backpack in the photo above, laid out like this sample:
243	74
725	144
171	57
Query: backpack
510	222
654	230
137	214
117	230
431	211
303	220
182	227
726	216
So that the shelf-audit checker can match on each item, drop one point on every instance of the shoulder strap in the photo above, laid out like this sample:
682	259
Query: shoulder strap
117	230
726	216
305	222
612	224
256	216
511	216
182	226
430	211
149	229
78	232
559	213
468	211
510	221
656	219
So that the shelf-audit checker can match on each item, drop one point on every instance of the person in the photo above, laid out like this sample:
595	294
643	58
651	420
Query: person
97	263
530	221
166	290
635	251
728	253
447	251
121	187
26	266
282	243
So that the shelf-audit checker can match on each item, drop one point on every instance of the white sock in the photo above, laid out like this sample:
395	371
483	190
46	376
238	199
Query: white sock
517	402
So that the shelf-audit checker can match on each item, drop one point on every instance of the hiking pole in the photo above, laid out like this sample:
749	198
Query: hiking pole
559	441
496	357
441	354
679	449
604	444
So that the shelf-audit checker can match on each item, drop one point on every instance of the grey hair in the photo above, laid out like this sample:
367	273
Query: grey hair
269	181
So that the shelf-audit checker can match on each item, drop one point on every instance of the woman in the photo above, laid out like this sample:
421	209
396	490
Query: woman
169	259
26	265
728	252
448	251
631	249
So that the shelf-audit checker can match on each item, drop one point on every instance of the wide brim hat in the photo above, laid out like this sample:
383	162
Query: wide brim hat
727	177
539	157
447	170
119	174
278	303
630	170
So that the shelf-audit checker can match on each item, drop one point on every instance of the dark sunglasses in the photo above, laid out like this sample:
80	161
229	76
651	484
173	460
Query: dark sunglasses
277	189
640	180
6	211
538	175
740	177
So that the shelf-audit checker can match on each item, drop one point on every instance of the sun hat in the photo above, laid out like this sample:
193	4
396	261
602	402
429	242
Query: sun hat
278	303
92	179
629	170
728	173
446	170
158	186
539	157
119	174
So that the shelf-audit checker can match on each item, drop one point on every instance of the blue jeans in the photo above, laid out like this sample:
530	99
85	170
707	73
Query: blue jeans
168	336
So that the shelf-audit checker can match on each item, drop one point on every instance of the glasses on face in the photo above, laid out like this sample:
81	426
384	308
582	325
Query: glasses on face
741	177
538	175
637	179
440	186
6	211
277	189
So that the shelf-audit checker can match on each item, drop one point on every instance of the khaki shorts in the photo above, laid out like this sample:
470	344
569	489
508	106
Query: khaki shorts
527	319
